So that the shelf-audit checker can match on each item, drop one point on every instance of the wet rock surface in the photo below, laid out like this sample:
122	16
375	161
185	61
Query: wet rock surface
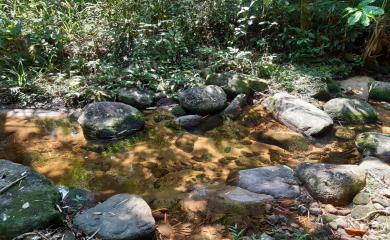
350	110
122	216
329	183
277	181
110	120
27	200
375	144
203	100
299	114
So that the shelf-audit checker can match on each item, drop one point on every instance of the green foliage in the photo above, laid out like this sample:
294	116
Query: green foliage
84	50
236	233
363	13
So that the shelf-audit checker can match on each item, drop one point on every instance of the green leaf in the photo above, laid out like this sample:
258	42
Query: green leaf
365	3
365	21
354	18
372	10
350	10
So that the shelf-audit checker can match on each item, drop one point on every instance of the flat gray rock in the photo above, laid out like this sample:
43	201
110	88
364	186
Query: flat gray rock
231	203
27	205
276	181
374	144
121	217
331	183
350	110
110	120
299	115
203	100
137	98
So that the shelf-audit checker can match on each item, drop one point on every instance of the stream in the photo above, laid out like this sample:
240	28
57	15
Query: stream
162	162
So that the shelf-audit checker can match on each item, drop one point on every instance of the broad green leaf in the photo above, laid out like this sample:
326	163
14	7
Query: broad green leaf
350	10
365	3
354	18
365	21
372	10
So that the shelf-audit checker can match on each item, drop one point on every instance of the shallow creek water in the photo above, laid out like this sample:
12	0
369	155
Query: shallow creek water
163	162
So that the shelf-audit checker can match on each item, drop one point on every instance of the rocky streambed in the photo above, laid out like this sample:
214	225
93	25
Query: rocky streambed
279	166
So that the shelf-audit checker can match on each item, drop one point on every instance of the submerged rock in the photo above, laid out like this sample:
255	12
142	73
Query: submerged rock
228	204
120	217
28	205
299	114
350	110
276	181
78	199
110	120
189	121
330	183
196	123
235	108
379	91
237	83
140	99
203	100
375	144
285	139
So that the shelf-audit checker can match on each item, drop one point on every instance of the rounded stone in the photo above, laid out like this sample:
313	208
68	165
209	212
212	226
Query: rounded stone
140	99
203	100
350	110
27	205
110	120
330	183
120	217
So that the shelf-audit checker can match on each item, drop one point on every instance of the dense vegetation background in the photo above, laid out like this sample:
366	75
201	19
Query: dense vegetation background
85	50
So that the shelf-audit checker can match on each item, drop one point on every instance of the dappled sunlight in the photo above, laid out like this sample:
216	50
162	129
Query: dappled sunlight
162	163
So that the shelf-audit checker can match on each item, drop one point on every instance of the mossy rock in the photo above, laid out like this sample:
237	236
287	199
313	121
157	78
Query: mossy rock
350	110
379	91
28	205
110	120
375	144
237	83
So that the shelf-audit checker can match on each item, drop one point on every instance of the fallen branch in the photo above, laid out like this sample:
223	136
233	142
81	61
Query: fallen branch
373	212
4	189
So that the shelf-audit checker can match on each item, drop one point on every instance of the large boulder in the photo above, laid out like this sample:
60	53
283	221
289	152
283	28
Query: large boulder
203	100
299	114
110	120
379	91
28	204
121	217
228	204
375	144
330	183
140	99
237	83
350	110
276	181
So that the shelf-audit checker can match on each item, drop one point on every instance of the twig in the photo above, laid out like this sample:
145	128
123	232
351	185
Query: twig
373	212
4	189
93	235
